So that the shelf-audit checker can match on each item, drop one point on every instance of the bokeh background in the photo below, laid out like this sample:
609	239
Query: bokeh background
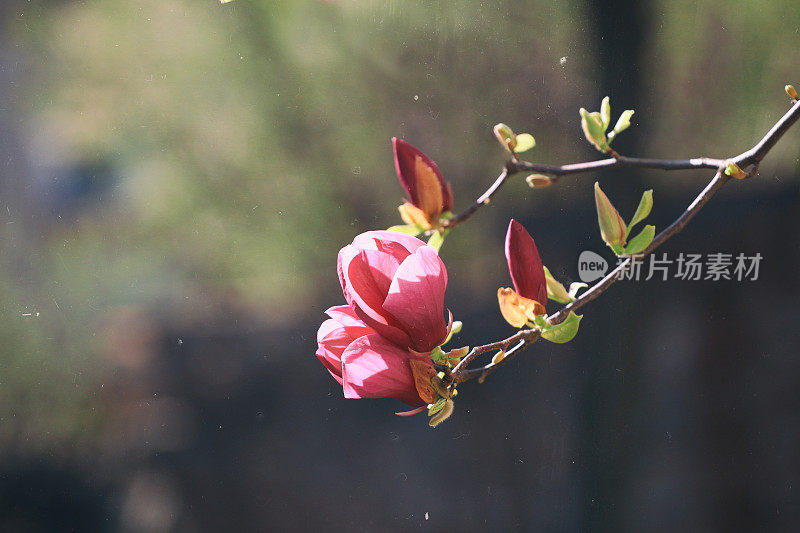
176	177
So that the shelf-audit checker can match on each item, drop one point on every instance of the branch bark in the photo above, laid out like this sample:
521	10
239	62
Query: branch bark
619	161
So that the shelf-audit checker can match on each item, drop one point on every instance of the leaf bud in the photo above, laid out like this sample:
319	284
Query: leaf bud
506	136
733	170
612	227
538	181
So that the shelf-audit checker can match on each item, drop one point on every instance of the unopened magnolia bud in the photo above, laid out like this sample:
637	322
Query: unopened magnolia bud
428	194
791	91
538	181
506	136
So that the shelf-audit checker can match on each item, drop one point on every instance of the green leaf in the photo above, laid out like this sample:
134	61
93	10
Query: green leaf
623	123
563	332
641	241
555	290
525	142
438	356
605	112
593	129
408	229
645	205
437	239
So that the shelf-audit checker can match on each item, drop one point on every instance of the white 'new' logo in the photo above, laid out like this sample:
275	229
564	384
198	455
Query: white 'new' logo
591	266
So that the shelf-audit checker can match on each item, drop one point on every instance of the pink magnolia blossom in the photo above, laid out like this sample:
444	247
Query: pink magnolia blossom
395	284
375	346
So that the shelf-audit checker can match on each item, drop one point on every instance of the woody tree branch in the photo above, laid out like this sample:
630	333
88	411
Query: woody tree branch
514	344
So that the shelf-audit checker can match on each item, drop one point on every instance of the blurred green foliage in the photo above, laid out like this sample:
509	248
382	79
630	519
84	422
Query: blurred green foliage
715	72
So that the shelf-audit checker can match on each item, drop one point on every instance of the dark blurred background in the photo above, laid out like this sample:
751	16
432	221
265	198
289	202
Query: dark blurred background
176	177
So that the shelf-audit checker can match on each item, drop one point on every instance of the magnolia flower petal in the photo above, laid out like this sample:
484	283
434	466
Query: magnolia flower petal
332	340
416	298
331	365
524	264
381	266
387	240
345	316
336	334
365	285
373	367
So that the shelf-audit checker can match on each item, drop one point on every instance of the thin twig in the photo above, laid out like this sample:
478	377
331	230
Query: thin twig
619	161
754	155
751	157
527	336
516	166
482	200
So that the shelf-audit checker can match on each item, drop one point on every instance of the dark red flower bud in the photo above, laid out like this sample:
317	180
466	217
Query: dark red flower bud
524	264
527	300
428	194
